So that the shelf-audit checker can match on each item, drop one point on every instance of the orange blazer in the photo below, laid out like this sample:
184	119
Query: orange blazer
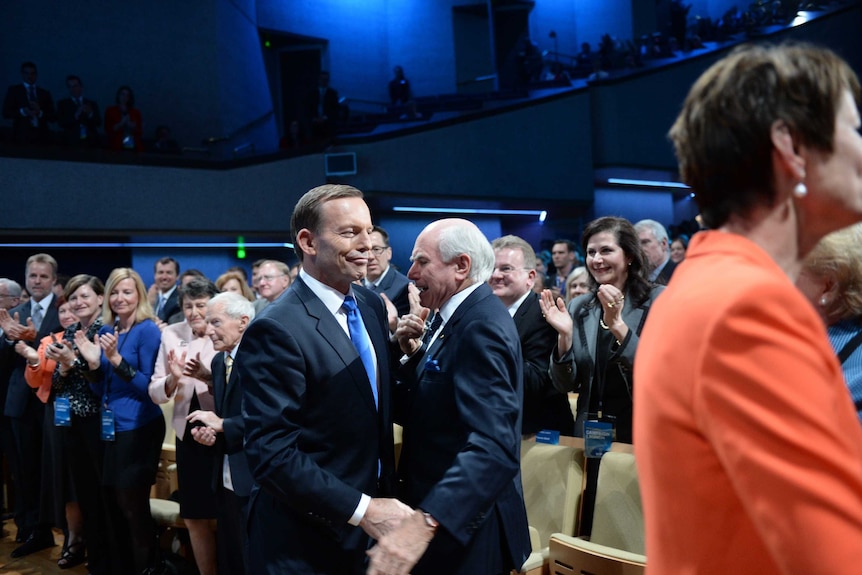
39	377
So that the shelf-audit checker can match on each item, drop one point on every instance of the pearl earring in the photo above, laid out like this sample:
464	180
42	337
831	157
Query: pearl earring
800	190
823	301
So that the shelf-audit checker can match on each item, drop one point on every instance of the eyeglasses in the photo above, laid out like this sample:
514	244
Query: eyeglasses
508	270
6	295
377	250
270	278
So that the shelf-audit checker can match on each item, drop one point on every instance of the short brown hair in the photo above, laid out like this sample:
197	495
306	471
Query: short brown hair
722	135
306	213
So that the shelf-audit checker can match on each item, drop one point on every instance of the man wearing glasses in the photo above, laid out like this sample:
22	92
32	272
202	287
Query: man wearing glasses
382	278
274	279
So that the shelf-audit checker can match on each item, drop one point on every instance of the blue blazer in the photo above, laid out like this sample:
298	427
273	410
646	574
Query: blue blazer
313	436
461	405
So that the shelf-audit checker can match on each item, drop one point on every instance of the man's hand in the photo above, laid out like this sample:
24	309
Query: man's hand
411	326
384	515
399	551
208	418
391	312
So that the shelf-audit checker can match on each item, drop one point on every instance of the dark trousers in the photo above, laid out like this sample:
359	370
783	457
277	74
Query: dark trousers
232	534
27	439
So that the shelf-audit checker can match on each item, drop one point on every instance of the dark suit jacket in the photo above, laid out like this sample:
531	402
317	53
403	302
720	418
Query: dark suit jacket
172	306
66	109
312	436
666	272
23	132
460	459
545	407
394	285
19	393
228	406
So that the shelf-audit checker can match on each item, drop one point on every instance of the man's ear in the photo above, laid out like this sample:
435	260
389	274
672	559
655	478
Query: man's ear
306	241
463	263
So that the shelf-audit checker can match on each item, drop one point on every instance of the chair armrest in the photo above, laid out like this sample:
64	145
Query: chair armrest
574	555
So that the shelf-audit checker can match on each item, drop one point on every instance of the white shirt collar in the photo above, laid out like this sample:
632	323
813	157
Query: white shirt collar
168	293
658	269
456	300
331	297
515	306
376	282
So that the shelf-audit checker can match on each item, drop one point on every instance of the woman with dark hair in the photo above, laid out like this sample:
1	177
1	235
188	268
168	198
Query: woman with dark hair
678	247
121	362
598	334
123	122
183	375
748	447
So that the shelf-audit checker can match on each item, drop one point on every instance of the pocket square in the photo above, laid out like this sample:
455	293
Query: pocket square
432	365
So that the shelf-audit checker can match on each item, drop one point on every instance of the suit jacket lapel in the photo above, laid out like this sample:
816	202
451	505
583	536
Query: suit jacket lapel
333	333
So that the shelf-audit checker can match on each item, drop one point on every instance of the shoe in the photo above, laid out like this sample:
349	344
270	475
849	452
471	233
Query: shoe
21	535
72	555
37	541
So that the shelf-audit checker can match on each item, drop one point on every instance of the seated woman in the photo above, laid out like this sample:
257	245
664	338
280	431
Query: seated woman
831	278
183	375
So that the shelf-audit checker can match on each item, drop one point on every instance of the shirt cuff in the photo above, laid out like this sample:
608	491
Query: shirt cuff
359	513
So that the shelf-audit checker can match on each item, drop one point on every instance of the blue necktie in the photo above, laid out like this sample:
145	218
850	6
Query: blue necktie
360	340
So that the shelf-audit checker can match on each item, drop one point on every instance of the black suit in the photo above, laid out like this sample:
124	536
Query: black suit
544	406
313	435
394	285
461	405
72	131
667	271
23	131
26	415
171	307
233	505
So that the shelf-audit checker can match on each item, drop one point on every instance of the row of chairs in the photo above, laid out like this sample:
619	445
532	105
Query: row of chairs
553	477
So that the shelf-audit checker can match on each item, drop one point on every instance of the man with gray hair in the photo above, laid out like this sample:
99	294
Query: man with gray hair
459	401
654	242
228	315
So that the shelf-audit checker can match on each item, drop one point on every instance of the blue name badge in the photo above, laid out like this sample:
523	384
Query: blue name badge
107	424
548	436
598	436
62	412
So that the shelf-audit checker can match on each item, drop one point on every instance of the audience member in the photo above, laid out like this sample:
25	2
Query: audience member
314	371
185	278
747	444
228	316
60	285
28	322
539	283
84	446
273	281
232	281
10	296
255	276
78	116
678	247
182	375
577	283
31	109
831	279
599	332
123	122
59	500
461	406
165	297
382	277
564	255
121	362
164	142
24	297
512	281
653	239
399	88
323	109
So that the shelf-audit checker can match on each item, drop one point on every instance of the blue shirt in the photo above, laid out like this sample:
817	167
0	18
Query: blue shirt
839	334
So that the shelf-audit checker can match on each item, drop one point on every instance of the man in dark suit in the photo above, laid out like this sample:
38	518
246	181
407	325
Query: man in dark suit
512	281
228	316
30	108
656	247
382	277
323	109
316	401
29	322
78	116
462	390
167	300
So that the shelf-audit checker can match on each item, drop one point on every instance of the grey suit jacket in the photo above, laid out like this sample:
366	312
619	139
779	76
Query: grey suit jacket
575	371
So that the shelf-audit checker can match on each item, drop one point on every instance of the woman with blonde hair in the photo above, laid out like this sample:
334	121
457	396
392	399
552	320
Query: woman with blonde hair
121	362
233	281
831	279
